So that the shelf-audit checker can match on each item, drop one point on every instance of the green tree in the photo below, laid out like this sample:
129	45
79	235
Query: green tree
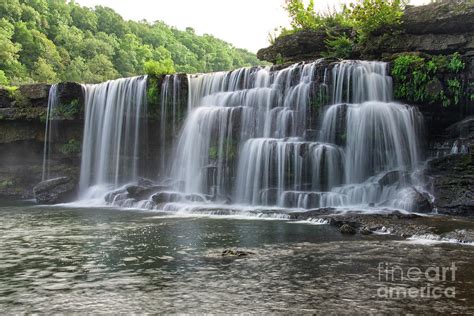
9	63
49	40
43	72
3	79
162	67
101	69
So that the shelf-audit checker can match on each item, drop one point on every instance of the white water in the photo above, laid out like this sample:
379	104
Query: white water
53	103
247	140
170	95
115	122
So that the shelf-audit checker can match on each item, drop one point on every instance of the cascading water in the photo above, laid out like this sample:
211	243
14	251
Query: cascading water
170	95
114	129
253	137
53	101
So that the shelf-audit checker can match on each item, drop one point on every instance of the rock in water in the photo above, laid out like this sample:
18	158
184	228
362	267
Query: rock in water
347	229
236	253
59	190
420	201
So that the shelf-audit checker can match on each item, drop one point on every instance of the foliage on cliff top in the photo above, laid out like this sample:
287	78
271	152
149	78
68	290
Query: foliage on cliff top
358	19
59	40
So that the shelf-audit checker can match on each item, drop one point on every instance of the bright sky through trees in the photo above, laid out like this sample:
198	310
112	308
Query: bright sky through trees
244	23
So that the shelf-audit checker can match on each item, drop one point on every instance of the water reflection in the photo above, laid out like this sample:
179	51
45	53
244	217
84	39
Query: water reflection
102	260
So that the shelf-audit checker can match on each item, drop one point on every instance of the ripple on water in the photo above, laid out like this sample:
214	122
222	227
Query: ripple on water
106	261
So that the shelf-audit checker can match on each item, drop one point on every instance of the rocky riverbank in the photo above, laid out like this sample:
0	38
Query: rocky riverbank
437	228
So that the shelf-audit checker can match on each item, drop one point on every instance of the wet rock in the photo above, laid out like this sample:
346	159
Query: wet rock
461	235
452	179
144	182
420	201
392	177
195	198
365	231
236	253
144	193
59	190
117	195
347	229
311	213
166	197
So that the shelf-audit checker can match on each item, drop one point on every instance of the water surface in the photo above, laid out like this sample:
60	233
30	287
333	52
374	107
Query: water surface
108	260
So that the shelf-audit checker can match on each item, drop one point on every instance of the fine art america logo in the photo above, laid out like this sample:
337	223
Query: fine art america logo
428	282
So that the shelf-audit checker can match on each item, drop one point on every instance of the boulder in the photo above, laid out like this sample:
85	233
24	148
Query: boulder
166	197
393	177
117	195
144	193
365	231
347	229
420	201
59	190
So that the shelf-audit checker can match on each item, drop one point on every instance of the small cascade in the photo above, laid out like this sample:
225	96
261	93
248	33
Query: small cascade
50	130
170	113
114	132
258	137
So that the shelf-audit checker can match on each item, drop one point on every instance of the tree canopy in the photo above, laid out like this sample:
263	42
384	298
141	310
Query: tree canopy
57	40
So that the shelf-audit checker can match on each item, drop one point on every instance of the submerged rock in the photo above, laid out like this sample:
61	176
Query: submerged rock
347	229
236	253
365	231
393	177
59	190
144	193
166	197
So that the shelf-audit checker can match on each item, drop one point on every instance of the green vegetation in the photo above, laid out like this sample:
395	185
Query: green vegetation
428	79
156	68
230	148
59	40
338	47
352	24
153	97
67	111
6	184
72	147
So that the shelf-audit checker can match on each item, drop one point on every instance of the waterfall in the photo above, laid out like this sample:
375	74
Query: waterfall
169	110
53	102
258	136
114	129
229	109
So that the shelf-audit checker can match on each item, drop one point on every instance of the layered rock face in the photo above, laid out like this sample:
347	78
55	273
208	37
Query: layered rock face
444	27
22	131
451	176
23	113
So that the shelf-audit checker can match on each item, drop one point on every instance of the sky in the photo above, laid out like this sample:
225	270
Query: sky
243	23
